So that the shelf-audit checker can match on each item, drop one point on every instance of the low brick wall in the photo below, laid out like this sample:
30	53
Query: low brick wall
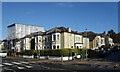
52	57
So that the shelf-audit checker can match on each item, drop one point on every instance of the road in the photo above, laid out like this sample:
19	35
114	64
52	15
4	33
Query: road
20	64
114	57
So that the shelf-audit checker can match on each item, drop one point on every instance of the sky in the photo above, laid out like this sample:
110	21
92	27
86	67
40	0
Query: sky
95	16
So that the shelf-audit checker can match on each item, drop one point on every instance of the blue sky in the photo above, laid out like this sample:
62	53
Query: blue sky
96	16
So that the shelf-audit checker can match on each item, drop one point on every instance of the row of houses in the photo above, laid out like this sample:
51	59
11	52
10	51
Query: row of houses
57	38
96	41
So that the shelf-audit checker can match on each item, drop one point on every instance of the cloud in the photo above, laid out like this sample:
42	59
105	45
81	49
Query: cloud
65	4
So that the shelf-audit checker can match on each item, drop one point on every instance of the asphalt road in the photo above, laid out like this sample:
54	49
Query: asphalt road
114	57
23	65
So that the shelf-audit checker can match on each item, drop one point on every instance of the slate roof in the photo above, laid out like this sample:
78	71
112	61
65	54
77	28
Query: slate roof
33	34
60	29
91	35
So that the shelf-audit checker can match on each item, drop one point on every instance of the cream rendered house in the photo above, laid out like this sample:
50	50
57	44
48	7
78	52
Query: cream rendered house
86	43
56	38
64	38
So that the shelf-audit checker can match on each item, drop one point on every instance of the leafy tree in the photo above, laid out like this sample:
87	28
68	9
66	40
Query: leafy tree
114	36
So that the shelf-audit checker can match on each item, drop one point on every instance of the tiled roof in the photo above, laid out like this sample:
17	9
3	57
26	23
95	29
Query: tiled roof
91	35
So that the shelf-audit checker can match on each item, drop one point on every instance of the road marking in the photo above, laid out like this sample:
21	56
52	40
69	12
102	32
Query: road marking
7	64
20	67
76	65
16	63
109	67
100	67
45	67
28	66
100	59
32	62
96	62
1	65
25	62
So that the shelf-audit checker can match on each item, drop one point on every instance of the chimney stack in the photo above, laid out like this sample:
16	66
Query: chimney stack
69	29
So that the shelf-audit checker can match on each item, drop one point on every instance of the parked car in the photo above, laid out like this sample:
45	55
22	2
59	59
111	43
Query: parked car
103	53
3	53
119	48
115	49
108	52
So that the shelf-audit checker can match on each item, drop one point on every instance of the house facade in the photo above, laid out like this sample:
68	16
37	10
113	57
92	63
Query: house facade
86	43
109	41
56	38
98	42
61	37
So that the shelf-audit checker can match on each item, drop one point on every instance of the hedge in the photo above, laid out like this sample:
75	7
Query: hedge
53	52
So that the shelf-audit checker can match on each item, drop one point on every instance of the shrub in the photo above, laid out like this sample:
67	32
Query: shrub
53	52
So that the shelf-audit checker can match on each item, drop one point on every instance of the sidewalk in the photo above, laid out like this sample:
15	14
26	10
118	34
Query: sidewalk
77	61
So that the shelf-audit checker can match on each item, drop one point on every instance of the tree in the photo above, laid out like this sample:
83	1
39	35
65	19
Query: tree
114	36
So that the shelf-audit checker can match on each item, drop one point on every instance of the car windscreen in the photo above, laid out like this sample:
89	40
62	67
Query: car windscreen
3	51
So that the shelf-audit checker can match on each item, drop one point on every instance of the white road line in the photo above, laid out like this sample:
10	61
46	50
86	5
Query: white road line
32	62
1	65
16	63
100	67
7	64
20	67
25	62
96	62
45	67
28	66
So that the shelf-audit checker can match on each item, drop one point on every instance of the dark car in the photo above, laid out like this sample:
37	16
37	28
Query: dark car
115	49
108	52
102	53
119	48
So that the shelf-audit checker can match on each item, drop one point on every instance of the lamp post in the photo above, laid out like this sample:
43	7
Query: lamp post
38	39
86	42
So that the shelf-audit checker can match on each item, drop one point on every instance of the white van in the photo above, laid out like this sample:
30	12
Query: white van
3	53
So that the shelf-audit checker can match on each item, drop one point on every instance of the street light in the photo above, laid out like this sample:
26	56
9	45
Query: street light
86	42
38	44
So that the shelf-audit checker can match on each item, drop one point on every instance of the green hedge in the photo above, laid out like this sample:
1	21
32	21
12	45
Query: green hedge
53	52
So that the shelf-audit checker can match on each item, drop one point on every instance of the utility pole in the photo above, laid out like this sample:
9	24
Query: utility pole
86	42
38	45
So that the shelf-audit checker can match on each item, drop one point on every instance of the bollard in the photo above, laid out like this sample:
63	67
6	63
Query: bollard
62	58
48	57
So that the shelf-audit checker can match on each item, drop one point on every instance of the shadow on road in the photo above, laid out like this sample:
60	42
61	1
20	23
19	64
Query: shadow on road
114	57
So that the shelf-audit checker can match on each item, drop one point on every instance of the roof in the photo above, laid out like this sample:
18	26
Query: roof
91	35
33	34
22	24
60	29
11	25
